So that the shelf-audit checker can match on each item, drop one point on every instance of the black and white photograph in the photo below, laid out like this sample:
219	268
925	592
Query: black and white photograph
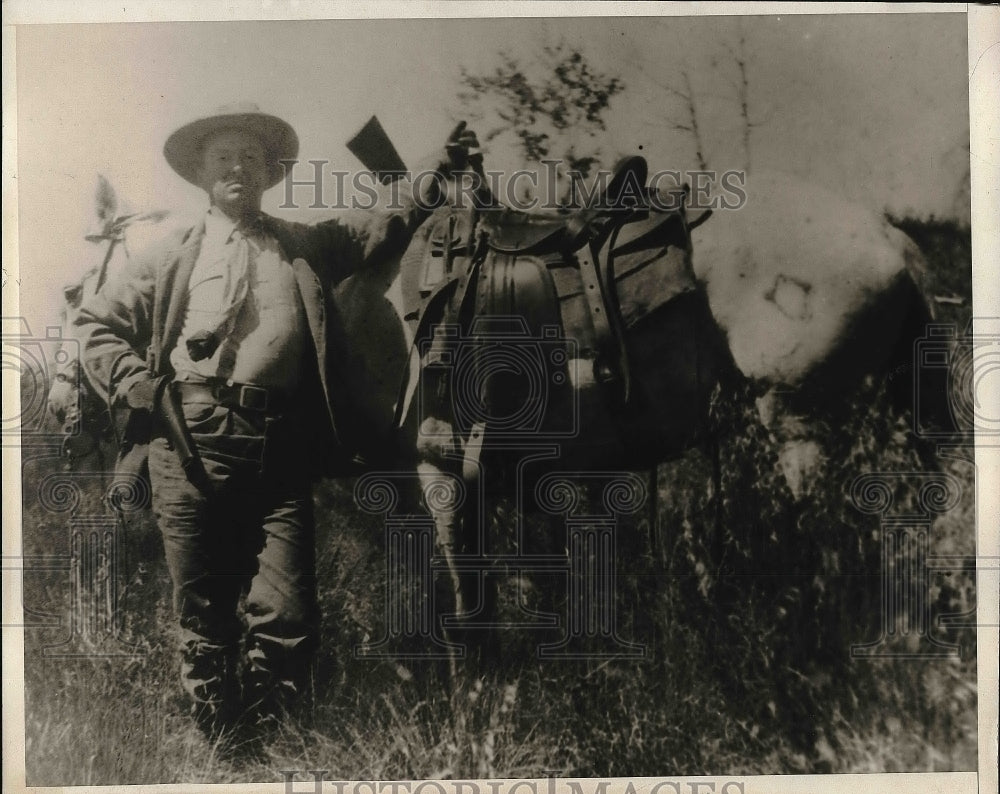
472	397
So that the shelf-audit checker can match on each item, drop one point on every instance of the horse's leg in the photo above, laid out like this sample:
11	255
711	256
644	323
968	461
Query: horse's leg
800	455
437	486
442	490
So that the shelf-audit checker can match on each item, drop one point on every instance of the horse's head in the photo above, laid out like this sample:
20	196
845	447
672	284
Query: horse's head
75	408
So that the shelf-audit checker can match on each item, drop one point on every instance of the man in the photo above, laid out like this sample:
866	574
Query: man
232	320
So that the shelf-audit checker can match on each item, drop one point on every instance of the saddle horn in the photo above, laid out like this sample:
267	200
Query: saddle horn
629	172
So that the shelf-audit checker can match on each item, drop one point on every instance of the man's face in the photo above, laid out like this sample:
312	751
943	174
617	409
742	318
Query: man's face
234	171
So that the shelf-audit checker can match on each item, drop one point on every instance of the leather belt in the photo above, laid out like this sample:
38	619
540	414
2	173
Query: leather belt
244	396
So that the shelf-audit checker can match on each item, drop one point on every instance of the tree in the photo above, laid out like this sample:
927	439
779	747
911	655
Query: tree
685	109
554	107
742	88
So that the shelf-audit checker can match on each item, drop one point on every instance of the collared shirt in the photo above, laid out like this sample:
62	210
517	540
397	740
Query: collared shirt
268	339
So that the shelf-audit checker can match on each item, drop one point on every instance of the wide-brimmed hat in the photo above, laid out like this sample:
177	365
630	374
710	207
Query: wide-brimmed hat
183	149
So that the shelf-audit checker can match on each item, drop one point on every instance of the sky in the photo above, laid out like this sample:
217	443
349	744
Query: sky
872	106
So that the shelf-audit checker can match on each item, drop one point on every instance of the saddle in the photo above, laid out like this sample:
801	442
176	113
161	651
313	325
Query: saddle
497	278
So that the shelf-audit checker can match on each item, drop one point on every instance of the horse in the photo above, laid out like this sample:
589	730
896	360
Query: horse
592	344
517	384
86	424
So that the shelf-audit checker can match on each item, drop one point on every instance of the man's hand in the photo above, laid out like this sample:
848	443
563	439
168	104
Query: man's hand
461	154
64	398
142	394
462	148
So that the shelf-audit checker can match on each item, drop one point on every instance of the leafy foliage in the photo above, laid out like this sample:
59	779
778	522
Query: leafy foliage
551	108
947	247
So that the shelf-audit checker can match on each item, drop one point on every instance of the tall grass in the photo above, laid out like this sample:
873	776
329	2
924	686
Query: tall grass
746	599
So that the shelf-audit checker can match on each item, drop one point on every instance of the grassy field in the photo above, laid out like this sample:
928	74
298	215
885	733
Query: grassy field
747	631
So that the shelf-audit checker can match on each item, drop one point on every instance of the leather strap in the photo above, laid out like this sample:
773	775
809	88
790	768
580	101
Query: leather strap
241	396
613	309
455	291
609	360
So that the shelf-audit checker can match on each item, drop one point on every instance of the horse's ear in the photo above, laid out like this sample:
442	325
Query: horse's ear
73	295
150	217
106	200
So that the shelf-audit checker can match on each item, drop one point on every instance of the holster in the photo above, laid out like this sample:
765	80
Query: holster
167	420
169	416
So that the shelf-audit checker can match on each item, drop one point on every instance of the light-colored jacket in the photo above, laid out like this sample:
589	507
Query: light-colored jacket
128	329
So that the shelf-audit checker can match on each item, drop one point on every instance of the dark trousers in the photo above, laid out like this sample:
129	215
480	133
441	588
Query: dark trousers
250	532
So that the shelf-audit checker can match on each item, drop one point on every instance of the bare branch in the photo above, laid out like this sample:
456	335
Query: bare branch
743	96
693	115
